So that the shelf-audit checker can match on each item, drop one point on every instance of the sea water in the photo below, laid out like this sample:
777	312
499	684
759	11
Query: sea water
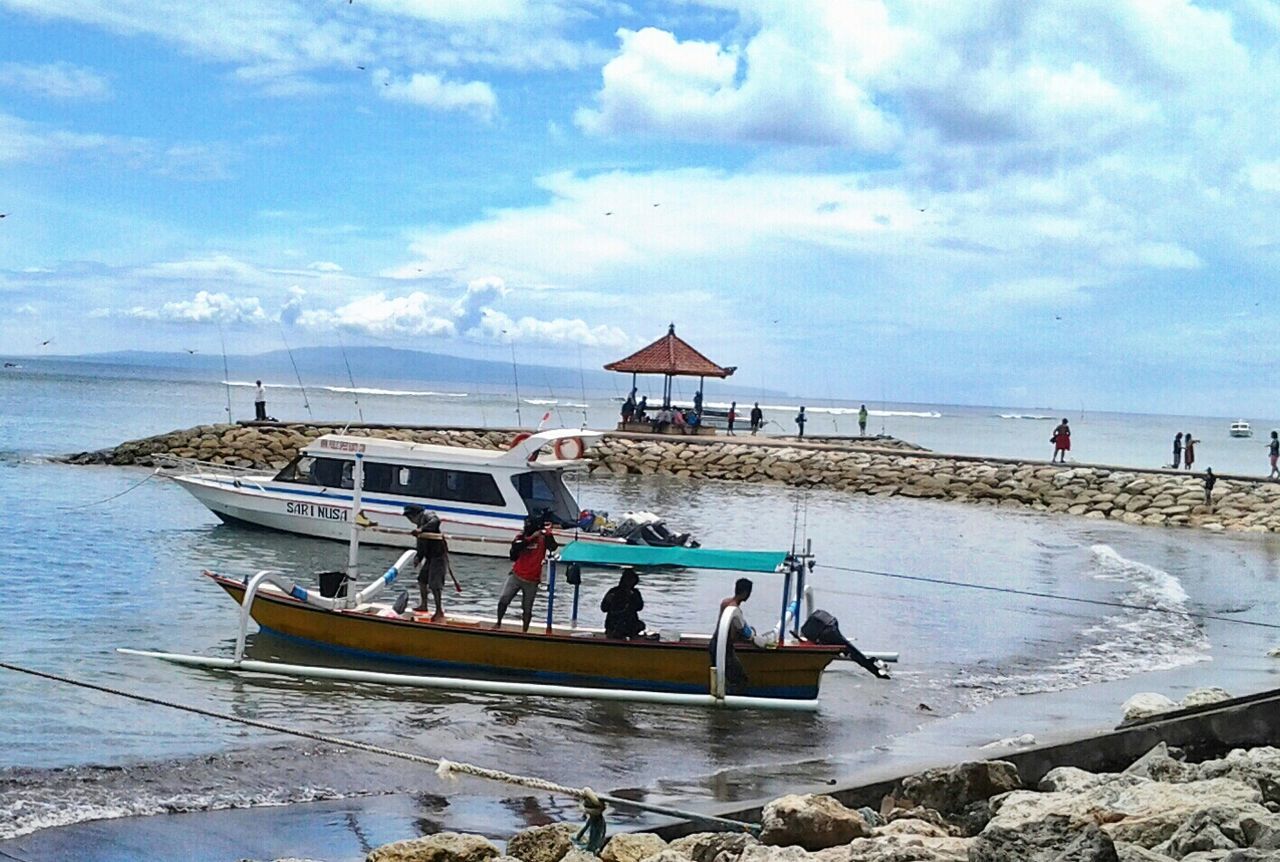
96	558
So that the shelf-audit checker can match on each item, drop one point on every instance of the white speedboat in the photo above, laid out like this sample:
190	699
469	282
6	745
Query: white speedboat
481	495
1240	428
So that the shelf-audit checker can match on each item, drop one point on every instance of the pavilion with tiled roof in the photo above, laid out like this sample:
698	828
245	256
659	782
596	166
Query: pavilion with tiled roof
671	356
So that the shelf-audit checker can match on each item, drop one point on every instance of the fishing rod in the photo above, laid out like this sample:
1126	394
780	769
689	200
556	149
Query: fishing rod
355	395
515	376
305	403
226	375
1039	595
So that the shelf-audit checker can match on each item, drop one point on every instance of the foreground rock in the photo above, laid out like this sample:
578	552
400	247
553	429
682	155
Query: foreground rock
811	823
441	847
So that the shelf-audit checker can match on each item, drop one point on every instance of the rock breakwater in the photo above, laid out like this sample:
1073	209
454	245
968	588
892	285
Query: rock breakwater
1150	497
1160	809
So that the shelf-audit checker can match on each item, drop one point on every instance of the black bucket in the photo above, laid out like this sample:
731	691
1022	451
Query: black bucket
333	585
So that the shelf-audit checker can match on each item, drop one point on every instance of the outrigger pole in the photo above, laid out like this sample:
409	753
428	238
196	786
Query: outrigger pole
479	686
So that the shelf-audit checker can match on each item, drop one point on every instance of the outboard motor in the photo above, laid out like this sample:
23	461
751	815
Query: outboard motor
823	628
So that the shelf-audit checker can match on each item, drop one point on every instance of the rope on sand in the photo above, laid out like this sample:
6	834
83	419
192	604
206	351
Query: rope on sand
593	803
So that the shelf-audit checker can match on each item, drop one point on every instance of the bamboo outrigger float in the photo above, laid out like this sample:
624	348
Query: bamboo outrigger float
559	660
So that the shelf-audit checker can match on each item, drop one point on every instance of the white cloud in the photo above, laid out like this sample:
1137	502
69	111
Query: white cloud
431	91
61	81
561	331
324	266
774	90
204	307
1264	176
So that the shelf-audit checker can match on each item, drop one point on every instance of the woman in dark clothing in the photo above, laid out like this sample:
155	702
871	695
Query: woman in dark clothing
622	606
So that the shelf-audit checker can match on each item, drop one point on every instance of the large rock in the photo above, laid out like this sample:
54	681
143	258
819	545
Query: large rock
952	789
441	847
1205	696
1054	839
632	847
1145	704
810	821
714	846
899	848
1258	767
1130	808
1157	765
543	843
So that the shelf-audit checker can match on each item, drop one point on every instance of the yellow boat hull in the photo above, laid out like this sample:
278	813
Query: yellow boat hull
792	671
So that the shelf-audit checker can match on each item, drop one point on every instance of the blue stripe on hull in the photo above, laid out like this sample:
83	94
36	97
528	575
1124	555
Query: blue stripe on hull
782	692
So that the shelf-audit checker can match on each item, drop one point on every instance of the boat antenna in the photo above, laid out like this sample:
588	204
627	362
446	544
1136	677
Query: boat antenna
226	375
355	395
305	402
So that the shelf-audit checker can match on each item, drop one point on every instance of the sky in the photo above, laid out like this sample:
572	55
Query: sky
1054	203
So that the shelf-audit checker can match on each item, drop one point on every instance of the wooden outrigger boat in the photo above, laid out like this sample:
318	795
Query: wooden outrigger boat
556	659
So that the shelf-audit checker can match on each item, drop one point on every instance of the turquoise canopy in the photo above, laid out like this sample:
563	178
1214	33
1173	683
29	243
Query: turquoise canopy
609	554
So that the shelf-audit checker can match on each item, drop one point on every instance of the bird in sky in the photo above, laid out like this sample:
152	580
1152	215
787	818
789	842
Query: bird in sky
46	342
361	68
610	212
657	205
189	349
2	215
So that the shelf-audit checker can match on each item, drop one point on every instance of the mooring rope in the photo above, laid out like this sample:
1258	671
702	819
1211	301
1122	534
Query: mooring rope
1033	594
132	487
593	803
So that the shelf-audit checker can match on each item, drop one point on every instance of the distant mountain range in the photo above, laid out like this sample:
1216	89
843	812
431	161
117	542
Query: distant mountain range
370	364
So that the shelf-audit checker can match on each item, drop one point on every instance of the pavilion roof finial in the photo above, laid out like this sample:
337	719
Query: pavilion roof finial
671	330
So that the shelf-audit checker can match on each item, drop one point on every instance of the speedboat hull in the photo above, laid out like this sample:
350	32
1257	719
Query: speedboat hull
581	657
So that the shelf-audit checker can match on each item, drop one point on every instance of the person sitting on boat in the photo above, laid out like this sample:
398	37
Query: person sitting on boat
432	559
735	676
622	606
528	552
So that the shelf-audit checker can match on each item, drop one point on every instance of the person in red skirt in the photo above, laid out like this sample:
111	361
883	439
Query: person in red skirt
1061	441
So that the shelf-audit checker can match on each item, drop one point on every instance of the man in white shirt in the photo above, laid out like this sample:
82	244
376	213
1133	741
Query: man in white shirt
260	403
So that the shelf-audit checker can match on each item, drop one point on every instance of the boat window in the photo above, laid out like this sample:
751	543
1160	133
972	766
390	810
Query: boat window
297	470
459	486
544	491
327	472
348	474
377	477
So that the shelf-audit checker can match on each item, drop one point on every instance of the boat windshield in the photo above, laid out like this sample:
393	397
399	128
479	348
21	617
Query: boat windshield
544	491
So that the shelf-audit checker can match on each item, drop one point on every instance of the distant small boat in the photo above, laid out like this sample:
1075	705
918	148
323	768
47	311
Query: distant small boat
1241	429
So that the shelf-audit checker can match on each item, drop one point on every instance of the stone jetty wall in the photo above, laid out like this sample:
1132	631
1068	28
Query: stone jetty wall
1153	497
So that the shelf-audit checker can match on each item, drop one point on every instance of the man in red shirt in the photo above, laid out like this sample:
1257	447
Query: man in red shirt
528	552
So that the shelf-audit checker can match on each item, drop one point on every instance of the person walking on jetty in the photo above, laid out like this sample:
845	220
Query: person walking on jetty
1177	450
801	419
1273	451
1209	481
733	416
528	552
1061	441
757	419
862	421
259	402
432	559
1188	450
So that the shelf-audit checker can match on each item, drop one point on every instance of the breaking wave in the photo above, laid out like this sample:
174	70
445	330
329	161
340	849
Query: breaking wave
1155	633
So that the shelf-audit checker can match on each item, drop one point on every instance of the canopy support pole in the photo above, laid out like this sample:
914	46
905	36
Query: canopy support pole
551	591
357	483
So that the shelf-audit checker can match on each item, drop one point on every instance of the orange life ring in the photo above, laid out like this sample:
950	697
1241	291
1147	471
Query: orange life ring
569	448
519	438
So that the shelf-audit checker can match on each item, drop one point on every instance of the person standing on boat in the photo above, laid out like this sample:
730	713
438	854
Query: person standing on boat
1061	441
735	676
801	419
528	552
259	402
732	417
1177	450
757	419
622	606
432	559
1273	449
862	421
1188	450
